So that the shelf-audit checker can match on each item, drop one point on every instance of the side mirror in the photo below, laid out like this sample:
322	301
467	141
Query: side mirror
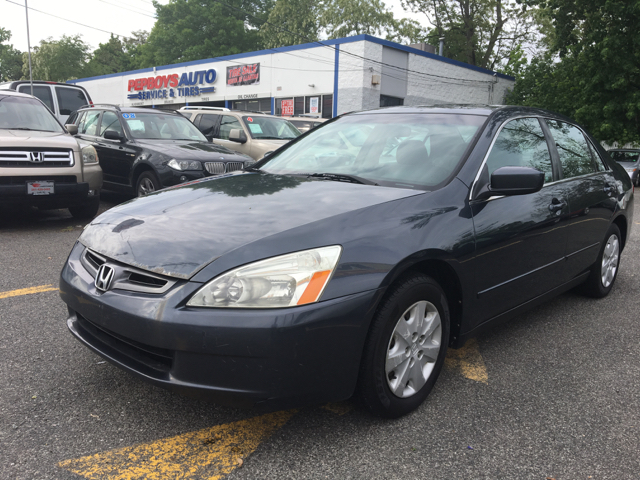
237	135
71	128
112	135
511	181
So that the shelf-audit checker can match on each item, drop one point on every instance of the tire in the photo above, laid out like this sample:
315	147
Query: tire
147	183
605	270
86	211
396	374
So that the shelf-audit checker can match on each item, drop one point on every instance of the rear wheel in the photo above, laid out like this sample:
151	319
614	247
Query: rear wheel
147	183
605	270
86	211
405	348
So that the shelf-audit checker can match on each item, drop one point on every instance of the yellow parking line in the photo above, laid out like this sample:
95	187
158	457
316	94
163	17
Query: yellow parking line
210	454
468	361
27	291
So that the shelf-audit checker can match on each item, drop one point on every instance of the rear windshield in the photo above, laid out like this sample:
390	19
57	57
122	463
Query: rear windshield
158	126
24	113
406	151
624	157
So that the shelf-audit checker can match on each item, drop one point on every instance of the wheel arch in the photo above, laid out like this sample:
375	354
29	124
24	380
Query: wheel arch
138	170
621	222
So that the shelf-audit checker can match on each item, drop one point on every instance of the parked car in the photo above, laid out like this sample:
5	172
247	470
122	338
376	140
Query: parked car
629	159
254	134
60	98
40	163
304	124
142	150
308	278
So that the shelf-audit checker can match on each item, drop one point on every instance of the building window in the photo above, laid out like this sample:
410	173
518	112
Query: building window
327	106
254	105
387	101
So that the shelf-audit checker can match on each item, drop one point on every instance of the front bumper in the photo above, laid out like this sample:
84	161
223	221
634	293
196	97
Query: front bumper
66	194
273	358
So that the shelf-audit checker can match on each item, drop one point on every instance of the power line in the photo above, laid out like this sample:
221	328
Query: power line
125	8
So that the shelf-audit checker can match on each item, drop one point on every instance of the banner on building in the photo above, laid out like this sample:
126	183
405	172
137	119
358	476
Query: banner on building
244	75
313	105
287	107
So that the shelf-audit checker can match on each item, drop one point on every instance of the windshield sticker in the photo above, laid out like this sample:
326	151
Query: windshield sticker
136	125
249	119
128	115
255	128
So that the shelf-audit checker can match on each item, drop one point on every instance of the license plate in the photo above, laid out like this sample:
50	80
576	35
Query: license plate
40	188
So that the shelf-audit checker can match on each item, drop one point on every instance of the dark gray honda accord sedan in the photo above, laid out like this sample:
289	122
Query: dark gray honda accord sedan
350	259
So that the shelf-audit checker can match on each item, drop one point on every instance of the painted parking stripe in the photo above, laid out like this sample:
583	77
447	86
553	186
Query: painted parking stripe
27	291
468	361
211	453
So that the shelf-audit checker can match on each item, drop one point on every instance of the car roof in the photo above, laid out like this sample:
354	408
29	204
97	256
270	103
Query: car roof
107	106
14	93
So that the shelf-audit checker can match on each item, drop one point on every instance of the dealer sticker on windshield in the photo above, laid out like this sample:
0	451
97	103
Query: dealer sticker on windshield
40	188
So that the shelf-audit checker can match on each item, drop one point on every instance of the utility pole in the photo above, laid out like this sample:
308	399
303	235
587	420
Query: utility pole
26	11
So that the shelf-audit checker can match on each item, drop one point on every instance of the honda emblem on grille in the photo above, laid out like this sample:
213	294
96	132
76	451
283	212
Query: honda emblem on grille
37	157
104	278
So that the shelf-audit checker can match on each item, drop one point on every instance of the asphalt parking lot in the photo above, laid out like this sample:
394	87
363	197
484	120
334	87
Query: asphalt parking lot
554	394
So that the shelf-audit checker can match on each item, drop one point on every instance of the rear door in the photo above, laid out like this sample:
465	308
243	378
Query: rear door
520	239
69	99
590	188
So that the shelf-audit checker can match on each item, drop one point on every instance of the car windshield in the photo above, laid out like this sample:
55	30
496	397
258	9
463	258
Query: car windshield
270	128
159	126
624	157
398	150
26	113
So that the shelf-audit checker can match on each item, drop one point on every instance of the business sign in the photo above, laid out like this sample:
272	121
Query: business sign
191	84
287	107
244	75
313	105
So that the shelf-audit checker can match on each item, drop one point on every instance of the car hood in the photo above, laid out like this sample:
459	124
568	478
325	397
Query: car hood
189	150
179	230
33	139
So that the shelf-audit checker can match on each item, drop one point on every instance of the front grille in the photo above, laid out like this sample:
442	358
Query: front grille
216	168
126	277
158	359
36	158
37	178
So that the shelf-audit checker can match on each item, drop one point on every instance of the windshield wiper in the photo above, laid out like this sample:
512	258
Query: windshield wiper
339	177
23	128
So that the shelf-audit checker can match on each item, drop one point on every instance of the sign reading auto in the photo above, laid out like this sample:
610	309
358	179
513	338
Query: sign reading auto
173	85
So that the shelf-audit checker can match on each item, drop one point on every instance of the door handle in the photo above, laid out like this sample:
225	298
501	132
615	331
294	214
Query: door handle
556	206
608	189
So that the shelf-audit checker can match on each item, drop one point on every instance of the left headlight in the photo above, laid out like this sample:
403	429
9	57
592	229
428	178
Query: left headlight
89	155
284	281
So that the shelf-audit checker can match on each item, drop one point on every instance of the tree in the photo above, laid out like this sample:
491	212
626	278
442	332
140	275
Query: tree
478	32
10	58
292	22
196	29
591	73
133	47
58	60
108	58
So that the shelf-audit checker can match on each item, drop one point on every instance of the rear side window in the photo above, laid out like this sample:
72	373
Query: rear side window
89	123
207	124
70	99
573	150
521	143
43	92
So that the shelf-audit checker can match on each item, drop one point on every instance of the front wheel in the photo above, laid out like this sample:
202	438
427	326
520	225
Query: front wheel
405	348
86	211
605	270
147	183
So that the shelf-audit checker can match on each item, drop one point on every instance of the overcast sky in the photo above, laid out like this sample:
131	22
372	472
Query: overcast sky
120	17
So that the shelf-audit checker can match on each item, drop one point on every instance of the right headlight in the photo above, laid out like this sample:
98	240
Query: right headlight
284	281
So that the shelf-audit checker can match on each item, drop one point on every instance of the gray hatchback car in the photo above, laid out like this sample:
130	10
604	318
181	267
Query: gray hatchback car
629	158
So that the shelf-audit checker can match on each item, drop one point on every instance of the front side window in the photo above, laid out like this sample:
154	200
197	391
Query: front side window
270	128
207	124
159	126
110	122
228	123
406	151
573	150
26	113
521	143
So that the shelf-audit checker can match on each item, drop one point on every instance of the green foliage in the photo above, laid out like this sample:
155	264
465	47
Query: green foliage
344	18
514	64
595	78
57	60
108	58
291	22
197	29
10	58
478	32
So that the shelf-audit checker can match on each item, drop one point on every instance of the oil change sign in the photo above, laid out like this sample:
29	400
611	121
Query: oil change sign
243	74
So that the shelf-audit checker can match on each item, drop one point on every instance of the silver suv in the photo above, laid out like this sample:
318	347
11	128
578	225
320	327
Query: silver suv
254	134
41	164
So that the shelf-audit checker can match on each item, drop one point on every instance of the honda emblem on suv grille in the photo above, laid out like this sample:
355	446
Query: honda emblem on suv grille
104	278
36	157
